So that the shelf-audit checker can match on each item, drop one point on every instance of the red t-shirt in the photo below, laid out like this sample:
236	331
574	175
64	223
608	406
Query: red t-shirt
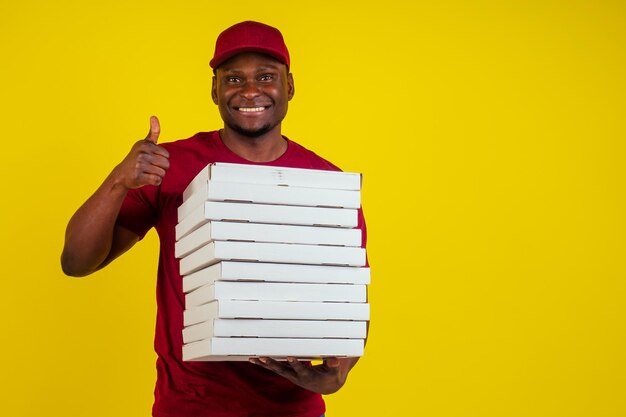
207	389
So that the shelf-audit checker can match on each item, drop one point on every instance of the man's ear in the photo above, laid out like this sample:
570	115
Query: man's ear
291	88
214	89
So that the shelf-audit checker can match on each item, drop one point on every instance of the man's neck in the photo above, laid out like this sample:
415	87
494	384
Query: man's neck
265	148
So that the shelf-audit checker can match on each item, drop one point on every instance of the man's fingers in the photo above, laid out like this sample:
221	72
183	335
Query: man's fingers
157	156
298	366
332	362
154	170
151	179
280	368
155	130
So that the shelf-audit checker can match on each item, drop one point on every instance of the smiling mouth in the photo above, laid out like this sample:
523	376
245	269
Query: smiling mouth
251	109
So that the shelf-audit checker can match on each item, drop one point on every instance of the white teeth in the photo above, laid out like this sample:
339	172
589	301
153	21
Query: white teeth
251	109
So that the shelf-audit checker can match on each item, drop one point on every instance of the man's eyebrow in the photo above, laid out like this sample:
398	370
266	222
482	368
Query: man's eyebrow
268	67
258	69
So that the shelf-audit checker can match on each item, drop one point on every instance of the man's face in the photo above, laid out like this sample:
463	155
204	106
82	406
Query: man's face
252	92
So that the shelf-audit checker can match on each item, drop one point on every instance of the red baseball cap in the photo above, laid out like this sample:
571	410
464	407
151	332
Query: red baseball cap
249	36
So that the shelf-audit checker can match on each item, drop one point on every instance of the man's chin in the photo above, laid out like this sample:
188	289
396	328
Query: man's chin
251	133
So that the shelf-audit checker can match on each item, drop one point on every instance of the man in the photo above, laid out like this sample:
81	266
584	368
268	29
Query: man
252	86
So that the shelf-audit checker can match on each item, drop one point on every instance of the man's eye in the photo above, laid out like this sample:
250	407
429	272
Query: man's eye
232	79
267	77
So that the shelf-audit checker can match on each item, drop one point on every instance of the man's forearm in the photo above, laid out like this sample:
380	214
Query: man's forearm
89	233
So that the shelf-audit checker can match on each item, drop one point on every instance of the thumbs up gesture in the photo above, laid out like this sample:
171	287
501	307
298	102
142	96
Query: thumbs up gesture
155	130
146	163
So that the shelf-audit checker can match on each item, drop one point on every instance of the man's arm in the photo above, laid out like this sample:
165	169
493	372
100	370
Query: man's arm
92	239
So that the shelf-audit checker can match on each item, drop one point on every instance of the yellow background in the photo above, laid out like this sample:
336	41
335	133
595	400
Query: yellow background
491	139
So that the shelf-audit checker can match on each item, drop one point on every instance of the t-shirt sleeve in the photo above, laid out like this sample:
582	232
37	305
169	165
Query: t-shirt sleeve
361	225
138	213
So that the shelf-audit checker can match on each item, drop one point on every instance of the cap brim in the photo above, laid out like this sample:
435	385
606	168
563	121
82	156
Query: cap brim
226	55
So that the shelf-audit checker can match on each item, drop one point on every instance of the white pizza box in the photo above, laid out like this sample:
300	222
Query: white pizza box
204	350
284	310
263	174
276	291
269	194
219	250
259	232
319	329
266	213
273	272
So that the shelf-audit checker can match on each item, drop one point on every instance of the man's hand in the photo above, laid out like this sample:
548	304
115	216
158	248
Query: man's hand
146	163
326	378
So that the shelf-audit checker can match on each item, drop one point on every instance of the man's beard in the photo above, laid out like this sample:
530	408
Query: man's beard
249	132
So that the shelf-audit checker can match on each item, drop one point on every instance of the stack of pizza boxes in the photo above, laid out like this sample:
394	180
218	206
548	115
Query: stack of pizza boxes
272	264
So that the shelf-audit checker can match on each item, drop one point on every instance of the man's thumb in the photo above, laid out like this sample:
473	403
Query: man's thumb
155	130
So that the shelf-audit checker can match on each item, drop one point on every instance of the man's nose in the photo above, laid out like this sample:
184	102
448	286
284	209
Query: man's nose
250	90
